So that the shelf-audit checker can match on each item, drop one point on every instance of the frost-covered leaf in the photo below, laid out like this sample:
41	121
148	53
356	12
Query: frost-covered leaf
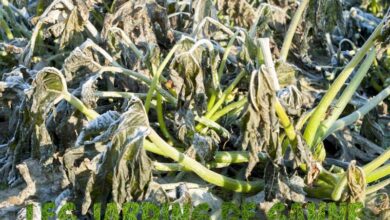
188	75
144	22
325	14
31	137
239	11
260	124
85	58
121	169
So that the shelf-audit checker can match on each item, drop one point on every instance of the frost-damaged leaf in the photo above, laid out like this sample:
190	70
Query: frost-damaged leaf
203	9
260	124
31	137
324	15
282	186
61	19
145	22
184	124
239	11
68	19
88	91
321	17
84	60
356	183
204	146
10	53
188	76
122	170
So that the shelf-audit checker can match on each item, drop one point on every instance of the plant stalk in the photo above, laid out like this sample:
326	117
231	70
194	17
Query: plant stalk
379	173
347	95
203	172
358	114
378	186
291	30
320	112
90	113
156	77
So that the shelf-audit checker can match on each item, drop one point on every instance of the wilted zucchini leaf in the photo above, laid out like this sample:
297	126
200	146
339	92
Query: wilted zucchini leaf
82	60
184	124
122	170
71	20
31	137
239	11
322	17
203	146
281	186
145	22
260	124
325	15
188	76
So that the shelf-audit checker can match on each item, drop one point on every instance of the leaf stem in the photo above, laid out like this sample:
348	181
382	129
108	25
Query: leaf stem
379	173
285	121
203	172
353	117
228	108
115	94
378	186
160	118
320	112
156	77
221	100
90	113
291	29
142	78
346	95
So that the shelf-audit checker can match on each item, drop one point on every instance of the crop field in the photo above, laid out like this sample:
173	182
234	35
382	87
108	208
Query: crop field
194	109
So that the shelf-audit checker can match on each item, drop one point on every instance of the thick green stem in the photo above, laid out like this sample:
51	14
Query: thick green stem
320	112
160	118
285	121
225	94
226	54
203	172
171	167
221	100
378	186
156	77
91	114
358	114
268	62
235	156
228	108
291	29
114	94
142	78
214	125
383	158
214	94
347	94
219	157
379	173
321	190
